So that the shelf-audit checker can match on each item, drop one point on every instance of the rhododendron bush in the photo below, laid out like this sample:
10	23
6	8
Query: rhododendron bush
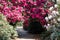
14	10
12	13
36	9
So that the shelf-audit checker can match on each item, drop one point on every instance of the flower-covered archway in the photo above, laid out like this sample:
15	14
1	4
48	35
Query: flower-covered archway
26	10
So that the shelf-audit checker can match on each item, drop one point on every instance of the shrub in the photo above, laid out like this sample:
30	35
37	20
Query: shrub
6	31
52	34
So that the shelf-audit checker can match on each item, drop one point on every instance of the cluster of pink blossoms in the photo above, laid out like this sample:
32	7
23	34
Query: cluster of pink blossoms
13	10
12	13
36	10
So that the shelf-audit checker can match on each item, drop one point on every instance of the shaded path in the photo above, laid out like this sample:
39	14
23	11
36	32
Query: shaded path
24	35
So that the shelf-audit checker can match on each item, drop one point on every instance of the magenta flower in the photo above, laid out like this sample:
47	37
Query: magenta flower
13	1
26	23
38	2
43	22
37	16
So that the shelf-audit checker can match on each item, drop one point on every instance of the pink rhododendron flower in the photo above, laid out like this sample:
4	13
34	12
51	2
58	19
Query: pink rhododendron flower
13	1
37	16
26	23
43	22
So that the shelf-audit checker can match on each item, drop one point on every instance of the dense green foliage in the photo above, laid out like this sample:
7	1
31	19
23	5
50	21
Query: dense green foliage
6	31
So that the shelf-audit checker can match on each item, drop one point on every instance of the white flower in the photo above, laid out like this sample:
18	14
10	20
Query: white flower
50	17
51	8
55	5
46	18
58	19
54	13
54	21
48	26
